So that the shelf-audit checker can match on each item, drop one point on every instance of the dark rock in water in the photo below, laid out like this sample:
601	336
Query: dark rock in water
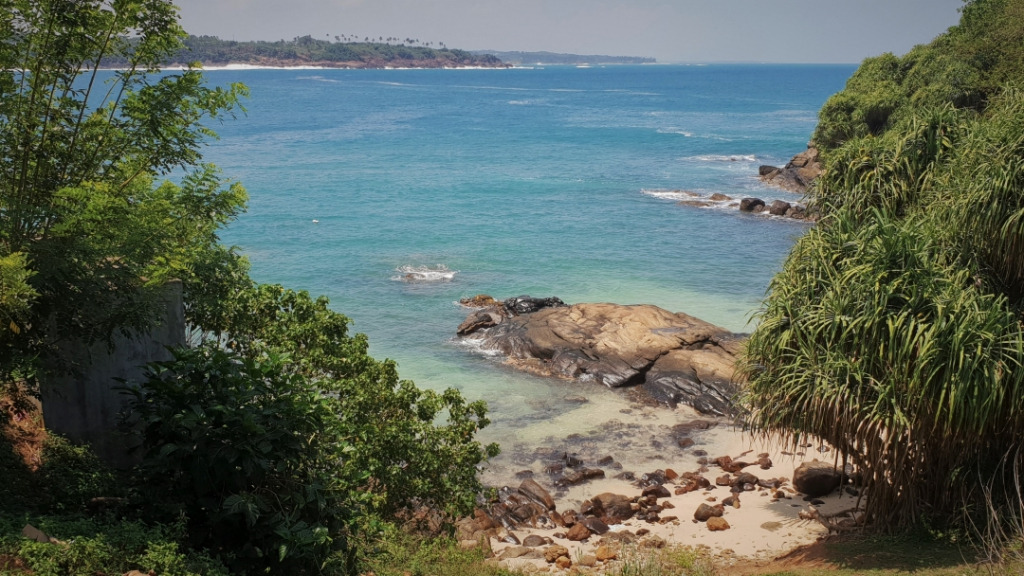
477	321
719	197
700	453
579	476
704	512
678	358
627	476
751	204
779	208
685	443
537	493
766	170
571	461
595	526
816	478
798	174
524	474
607	460
527	305
657	491
655	478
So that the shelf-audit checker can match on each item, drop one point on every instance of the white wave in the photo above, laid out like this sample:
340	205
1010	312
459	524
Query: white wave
520	102
318	79
440	273
476	345
675	131
722	158
671	194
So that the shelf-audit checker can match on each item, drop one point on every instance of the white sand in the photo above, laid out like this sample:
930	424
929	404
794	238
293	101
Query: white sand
745	539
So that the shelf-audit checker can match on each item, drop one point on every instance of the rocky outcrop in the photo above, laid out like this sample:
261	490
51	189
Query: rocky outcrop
797	175
676	358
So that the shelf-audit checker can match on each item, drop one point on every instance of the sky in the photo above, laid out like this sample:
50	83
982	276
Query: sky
794	31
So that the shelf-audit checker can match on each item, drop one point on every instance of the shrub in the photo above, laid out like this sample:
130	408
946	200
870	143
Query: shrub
253	456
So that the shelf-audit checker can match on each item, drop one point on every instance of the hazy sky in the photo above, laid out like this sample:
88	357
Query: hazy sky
669	30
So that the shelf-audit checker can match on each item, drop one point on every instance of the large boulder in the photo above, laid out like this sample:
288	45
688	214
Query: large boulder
537	493
615	506
798	174
779	208
751	204
676	357
816	478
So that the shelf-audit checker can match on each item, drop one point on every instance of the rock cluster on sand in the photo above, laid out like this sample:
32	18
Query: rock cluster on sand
607	521
676	358
797	175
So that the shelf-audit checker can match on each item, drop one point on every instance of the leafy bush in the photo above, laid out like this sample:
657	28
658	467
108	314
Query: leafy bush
253	456
103	546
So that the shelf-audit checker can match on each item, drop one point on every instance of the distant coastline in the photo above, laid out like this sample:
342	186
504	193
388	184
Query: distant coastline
556	59
307	52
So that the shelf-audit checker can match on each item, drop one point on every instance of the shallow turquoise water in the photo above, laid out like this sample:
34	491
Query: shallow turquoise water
525	182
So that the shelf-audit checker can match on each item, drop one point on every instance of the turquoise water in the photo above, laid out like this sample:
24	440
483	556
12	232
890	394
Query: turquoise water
525	181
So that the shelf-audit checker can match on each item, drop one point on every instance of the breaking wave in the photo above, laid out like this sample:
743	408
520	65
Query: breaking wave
440	273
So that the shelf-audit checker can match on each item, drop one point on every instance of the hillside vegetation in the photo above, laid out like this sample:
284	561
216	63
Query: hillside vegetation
306	50
893	331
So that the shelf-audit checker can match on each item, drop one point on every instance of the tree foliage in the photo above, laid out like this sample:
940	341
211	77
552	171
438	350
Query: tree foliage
894	329
83	225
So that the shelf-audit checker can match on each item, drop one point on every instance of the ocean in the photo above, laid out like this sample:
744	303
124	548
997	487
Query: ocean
555	181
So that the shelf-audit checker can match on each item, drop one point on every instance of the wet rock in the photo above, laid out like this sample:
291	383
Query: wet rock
576	399
655	478
779	208
704	512
725	480
520	305
579	476
717	524
719	197
751	204
766	170
816	478
685	443
700	453
657	491
478	321
537	493
578	533
571	461
606	461
627	476
524	474
671	474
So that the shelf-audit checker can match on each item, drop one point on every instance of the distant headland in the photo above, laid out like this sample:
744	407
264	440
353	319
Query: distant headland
530	58
212	51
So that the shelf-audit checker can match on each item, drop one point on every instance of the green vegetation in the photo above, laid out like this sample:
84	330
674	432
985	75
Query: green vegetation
893	331
275	443
556	58
212	51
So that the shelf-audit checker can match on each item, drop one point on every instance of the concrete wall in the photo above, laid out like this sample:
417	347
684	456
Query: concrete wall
84	407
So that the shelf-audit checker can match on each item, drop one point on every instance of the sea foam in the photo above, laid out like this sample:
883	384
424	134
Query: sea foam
439	273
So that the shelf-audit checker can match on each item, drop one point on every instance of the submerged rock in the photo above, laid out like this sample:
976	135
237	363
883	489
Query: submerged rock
677	358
